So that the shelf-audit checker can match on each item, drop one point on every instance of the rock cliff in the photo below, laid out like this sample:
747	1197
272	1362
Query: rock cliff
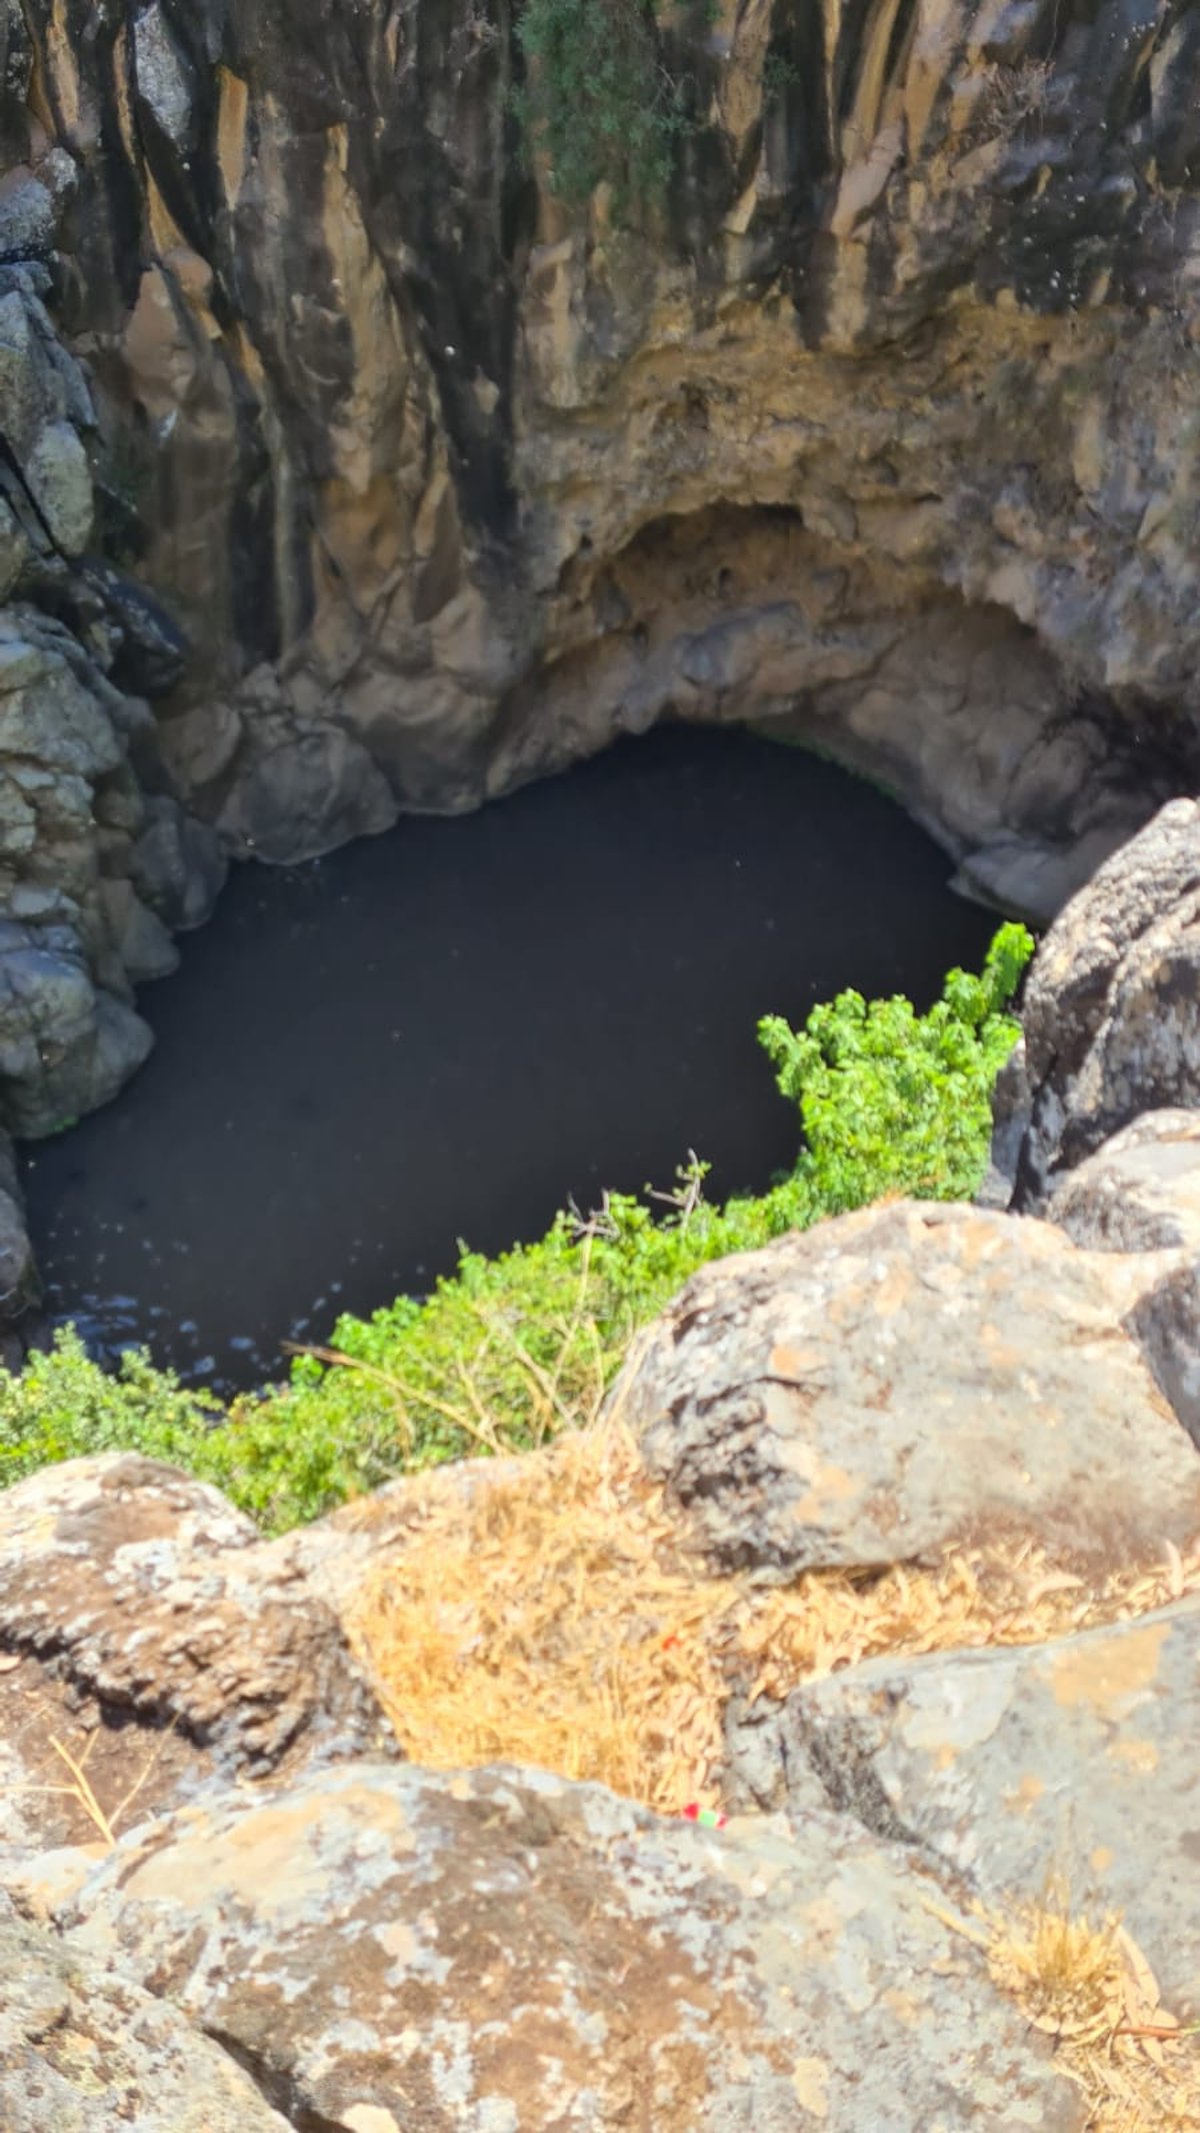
875	426
346	467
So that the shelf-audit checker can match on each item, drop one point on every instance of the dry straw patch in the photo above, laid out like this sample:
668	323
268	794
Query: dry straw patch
559	1618
553	1620
1084	1982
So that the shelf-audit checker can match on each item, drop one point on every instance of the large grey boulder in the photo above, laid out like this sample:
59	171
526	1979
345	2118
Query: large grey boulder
388	1948
1075	1758
1111	1011
915	1375
84	2050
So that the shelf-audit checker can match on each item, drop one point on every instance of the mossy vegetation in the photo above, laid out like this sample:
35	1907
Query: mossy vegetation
510	1351
599	104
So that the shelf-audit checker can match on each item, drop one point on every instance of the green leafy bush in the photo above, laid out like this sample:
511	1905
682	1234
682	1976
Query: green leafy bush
893	1101
63	1405
598	102
510	1350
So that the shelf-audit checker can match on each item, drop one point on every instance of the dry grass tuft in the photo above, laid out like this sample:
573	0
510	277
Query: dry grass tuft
81	1790
1085	1983
560	1619
553	1622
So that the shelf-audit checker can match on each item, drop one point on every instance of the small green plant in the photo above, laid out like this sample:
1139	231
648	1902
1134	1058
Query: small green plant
893	1101
598	102
779	73
509	1351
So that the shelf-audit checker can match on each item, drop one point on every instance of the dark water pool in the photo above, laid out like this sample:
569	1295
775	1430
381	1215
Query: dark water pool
446	1031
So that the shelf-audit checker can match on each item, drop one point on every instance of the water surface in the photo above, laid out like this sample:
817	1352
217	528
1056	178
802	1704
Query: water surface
446	1031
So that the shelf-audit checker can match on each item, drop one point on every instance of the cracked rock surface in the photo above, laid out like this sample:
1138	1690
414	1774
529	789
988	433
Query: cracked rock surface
84	2050
390	1948
148	1632
1073	1758
911	1376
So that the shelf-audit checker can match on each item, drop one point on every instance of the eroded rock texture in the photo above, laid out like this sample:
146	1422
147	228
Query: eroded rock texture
85	2051
98	863
912	1376
144	1634
1111	1012
504	1950
979	1756
876	427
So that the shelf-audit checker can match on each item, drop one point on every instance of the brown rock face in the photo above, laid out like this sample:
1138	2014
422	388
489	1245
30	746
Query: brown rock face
148	1634
875	427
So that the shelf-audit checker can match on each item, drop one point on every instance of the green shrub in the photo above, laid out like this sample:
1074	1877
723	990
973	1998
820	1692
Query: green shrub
598	102
893	1101
510	1350
62	1405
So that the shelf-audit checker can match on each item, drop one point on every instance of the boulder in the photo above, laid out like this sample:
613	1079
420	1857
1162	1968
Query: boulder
152	1641
84	2050
177	865
1073	1759
1140	1192
385	1948
1111	1011
915	1375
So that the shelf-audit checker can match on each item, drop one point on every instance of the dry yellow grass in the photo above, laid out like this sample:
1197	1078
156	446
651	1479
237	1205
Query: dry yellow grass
559	1619
553	1621
1084	1982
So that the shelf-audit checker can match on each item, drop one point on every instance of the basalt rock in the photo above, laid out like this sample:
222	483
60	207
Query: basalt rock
1140	1192
1111	1012
84	2050
392	1948
873	428
910	1377
81	781
149	1634
1073	1759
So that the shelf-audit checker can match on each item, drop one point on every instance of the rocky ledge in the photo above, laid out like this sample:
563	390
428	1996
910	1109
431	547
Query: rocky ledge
905	1511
